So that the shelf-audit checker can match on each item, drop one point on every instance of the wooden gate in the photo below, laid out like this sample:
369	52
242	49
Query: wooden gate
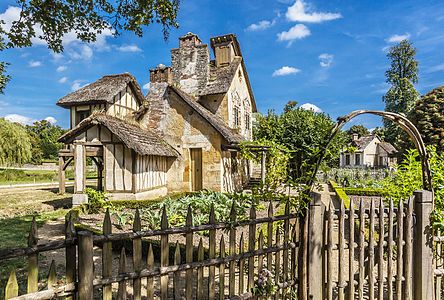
372	250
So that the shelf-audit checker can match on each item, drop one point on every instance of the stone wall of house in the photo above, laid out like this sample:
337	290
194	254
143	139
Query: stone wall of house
239	96
183	128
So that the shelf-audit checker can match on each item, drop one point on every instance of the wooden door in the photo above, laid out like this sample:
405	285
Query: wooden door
196	169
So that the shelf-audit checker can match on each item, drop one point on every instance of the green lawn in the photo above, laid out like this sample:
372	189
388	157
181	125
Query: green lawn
16	176
13	233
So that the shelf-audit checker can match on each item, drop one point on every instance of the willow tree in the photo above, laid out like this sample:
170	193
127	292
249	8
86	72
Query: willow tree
50	21
402	95
15	145
428	116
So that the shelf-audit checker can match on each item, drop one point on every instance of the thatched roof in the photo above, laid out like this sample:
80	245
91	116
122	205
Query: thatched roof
103	90
143	141
389	148
363	142
215	121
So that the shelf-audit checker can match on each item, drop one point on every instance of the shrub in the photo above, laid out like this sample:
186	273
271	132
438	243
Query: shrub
340	193
97	201
365	192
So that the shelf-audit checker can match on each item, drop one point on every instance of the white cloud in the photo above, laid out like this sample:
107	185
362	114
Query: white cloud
51	120
300	12
63	79
310	106
77	84
16	118
34	63
84	53
299	31
437	68
146	86
285	70
326	60
61	68
129	48
396	38
261	25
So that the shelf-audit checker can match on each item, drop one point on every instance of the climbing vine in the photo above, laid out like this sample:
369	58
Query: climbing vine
276	164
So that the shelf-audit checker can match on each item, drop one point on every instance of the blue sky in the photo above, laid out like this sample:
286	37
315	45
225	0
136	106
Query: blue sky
331	54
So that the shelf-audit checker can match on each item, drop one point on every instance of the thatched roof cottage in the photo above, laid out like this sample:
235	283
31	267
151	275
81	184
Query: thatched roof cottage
181	136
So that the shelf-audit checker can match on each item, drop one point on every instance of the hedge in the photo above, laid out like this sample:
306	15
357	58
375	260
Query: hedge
340	193
365	192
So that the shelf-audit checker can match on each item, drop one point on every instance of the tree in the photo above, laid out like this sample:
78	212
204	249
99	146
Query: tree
15	145
402	95
360	130
428	116
302	131
51	20
45	136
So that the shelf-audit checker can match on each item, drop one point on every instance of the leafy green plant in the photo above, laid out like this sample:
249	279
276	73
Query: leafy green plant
122	218
200	204
97	201
265	284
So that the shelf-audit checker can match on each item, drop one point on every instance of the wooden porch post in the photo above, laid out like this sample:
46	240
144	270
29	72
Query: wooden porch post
263	169
79	195
61	175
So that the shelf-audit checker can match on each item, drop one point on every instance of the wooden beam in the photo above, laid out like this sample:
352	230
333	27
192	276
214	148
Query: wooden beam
62	175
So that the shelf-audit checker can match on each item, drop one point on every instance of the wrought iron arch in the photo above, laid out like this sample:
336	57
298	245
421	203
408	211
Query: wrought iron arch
399	119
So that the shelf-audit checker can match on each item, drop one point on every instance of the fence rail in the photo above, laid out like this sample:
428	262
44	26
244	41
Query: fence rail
370	251
218	272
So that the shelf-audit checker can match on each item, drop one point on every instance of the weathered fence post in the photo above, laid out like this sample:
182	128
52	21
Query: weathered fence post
423	247
86	265
315	247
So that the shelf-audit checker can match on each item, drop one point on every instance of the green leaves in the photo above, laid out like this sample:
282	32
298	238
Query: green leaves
15	145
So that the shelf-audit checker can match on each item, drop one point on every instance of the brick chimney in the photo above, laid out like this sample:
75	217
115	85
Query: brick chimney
190	64
161	73
355	137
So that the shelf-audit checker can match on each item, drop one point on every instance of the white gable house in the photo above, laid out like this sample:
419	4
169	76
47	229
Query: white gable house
368	151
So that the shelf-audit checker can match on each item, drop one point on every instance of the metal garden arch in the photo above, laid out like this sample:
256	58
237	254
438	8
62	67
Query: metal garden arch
399	119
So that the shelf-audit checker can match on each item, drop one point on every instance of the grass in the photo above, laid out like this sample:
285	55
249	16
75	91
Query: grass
22	202
16	176
14	233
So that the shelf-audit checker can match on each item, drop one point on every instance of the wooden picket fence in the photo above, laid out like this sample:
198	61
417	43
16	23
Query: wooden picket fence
219	272
372	250
438	240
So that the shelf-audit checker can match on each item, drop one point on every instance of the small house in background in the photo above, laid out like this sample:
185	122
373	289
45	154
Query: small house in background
184	135
368	151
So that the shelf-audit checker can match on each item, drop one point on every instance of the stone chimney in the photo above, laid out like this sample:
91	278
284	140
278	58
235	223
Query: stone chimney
161	73
225	48
355	137
190	64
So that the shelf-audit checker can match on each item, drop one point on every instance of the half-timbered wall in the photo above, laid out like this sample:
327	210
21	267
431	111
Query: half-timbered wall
124	103
84	108
151	172
118	166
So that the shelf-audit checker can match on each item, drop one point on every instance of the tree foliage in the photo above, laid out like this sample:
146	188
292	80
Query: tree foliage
402	95
15	145
304	132
51	20
428	116
44	136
